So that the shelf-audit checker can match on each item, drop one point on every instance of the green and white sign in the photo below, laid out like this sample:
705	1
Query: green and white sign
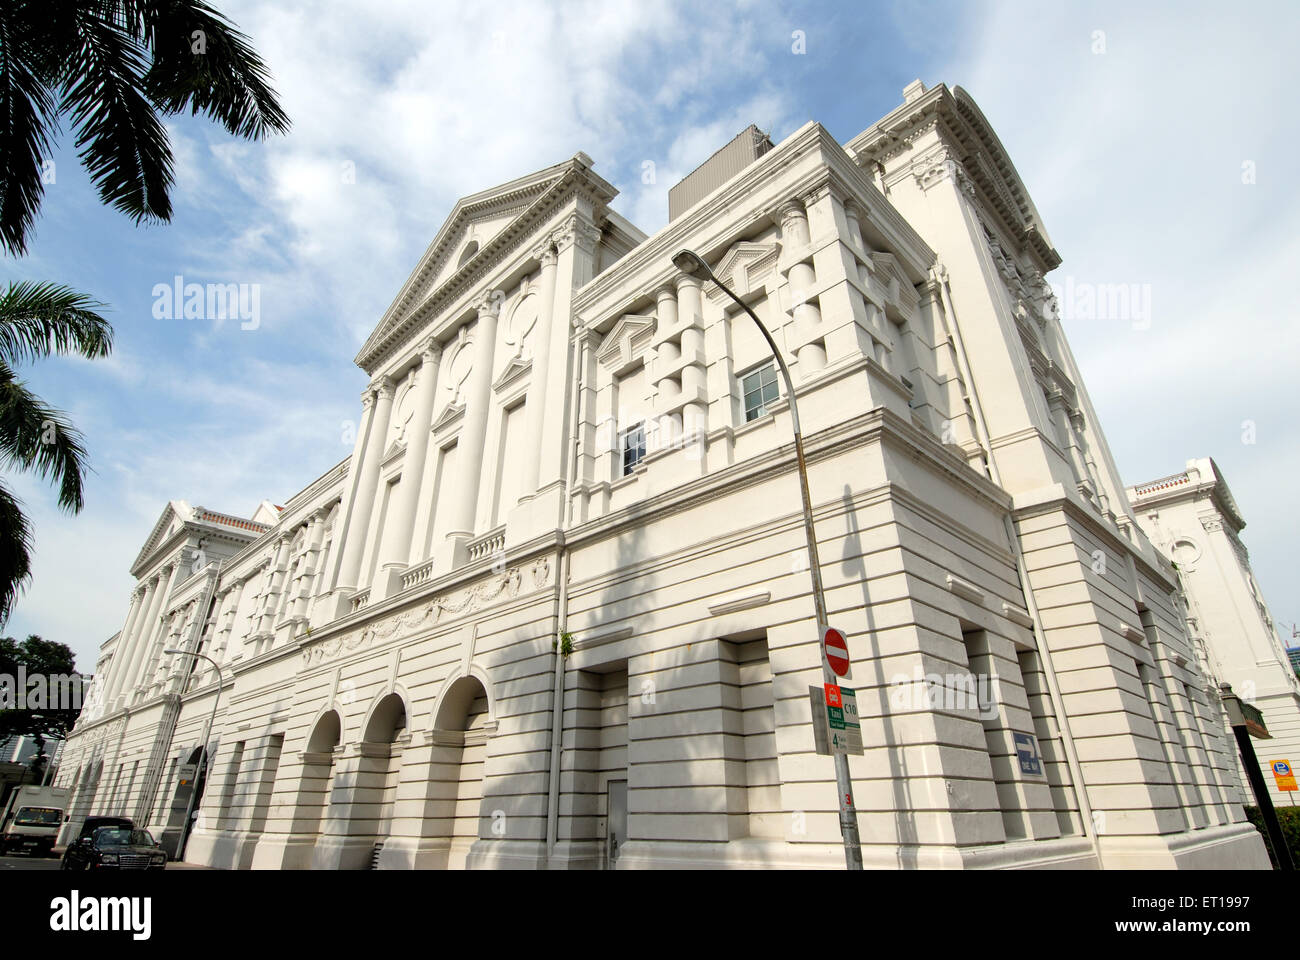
835	719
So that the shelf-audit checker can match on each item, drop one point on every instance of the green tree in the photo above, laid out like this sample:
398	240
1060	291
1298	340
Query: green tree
48	659
113	69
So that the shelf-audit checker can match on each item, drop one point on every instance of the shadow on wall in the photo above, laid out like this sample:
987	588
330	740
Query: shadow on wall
867	651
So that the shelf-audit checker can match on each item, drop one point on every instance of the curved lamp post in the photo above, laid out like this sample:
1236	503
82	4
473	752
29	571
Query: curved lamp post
691	263
207	733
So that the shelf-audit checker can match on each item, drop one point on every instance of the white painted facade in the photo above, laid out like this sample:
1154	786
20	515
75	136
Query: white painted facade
1194	521
392	687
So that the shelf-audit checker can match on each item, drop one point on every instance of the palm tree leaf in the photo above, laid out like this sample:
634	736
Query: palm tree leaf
37	437
40	319
15	551
227	81
28	116
121	141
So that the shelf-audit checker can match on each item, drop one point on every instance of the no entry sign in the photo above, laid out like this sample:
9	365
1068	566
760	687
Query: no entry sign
837	651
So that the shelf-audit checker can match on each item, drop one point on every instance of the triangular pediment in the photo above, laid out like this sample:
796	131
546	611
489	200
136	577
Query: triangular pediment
477	225
517	367
450	414
625	342
173	516
743	267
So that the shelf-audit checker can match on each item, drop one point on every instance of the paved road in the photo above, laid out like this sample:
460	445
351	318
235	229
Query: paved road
52	863
29	863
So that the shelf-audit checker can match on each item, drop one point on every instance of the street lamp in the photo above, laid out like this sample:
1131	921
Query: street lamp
203	746
692	264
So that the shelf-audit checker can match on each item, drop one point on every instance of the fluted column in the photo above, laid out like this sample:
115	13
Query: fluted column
535	412
354	538
332	572
810	352
312	561
473	433
276	583
123	653
151	628
396	549
131	661
235	645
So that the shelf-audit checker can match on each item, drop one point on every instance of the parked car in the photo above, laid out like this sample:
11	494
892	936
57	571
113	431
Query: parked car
88	828
115	848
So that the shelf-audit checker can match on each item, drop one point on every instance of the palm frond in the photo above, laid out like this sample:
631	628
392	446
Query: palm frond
39	319
121	141
39	438
227	81
28	116
15	551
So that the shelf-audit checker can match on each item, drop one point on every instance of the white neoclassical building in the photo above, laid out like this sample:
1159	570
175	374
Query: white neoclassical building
554	610
1193	519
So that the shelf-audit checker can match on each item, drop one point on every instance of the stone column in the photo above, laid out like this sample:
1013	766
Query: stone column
852	216
154	628
350	487
472	435
811	353
131	659
235	645
666	354
354	539
535	413
396	550
311	563
123	652
279	567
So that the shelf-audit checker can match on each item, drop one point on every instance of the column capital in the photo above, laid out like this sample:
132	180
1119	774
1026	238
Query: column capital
791	210
544	253
431	351
384	387
684	281
576	231
488	303
667	292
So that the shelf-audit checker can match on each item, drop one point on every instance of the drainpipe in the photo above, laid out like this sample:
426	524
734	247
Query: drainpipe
562	618
940	275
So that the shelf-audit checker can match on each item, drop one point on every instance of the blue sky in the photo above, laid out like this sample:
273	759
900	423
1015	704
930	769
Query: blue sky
1129	126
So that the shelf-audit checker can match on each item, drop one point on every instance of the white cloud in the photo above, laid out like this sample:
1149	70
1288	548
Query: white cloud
1134	159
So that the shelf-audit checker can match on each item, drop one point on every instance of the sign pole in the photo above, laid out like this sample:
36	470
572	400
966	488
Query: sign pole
693	264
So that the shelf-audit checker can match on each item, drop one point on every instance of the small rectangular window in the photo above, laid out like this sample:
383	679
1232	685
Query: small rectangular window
759	389
633	447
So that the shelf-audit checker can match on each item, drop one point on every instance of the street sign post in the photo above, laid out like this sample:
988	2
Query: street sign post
836	649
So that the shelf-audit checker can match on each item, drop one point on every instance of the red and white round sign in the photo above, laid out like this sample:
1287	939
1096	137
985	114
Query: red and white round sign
837	651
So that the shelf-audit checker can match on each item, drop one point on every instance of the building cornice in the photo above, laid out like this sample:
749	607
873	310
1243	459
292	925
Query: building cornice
960	122
761	187
417	305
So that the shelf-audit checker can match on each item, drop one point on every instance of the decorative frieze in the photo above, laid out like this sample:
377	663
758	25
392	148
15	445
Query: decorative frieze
504	586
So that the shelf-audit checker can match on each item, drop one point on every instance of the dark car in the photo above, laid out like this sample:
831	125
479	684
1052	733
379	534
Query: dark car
90	825
115	848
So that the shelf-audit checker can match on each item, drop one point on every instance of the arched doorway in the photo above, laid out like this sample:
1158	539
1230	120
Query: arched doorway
317	776
378	773
461	730
85	797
